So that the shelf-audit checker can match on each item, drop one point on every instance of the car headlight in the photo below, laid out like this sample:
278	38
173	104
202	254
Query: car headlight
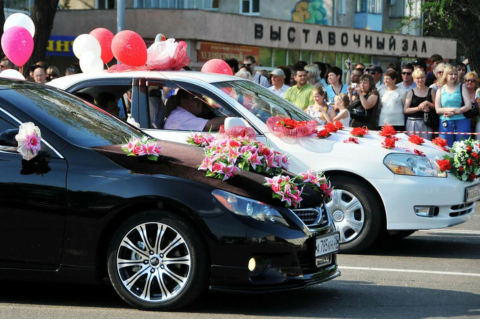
249	208
413	165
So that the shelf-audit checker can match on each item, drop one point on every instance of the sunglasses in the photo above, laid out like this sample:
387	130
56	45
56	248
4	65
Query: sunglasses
407	73
470	80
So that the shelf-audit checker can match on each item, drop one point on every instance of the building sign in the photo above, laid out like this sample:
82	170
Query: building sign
322	38
210	50
60	46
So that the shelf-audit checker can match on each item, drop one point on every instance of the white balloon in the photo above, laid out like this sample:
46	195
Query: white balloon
12	74
91	62
20	20
84	43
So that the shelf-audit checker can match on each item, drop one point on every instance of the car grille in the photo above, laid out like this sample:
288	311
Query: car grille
461	209
313	217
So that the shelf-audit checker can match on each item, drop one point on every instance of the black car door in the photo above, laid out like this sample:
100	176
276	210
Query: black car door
33	206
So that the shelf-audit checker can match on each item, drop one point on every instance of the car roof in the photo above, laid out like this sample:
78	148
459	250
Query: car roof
67	81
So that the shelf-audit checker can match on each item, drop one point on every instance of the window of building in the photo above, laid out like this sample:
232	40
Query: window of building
176	4
341	7
368	6
250	7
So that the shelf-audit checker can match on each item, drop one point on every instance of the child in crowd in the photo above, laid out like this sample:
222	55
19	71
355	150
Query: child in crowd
341	104
320	111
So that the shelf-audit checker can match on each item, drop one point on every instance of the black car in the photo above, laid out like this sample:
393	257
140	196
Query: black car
82	210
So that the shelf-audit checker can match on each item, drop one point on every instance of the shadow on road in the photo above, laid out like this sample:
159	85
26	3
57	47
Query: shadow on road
335	299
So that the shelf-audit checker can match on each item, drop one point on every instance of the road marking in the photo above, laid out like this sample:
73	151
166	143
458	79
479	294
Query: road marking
413	271
452	231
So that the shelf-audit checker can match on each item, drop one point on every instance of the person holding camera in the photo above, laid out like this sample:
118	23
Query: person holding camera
364	103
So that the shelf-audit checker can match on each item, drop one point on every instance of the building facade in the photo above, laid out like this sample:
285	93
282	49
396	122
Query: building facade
276	32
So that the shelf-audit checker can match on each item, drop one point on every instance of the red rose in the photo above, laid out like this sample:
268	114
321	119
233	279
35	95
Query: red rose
444	164
234	144
470	162
389	143
359	132
323	134
460	169
416	139
388	131
472	176
475	155
469	149
330	127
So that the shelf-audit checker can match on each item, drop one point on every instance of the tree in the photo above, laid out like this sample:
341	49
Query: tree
457	19
43	15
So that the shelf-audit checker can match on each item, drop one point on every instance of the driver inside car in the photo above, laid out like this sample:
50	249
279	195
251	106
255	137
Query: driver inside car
186	116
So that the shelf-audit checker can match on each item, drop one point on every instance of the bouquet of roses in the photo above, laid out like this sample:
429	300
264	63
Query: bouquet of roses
241	153
285	189
318	182
200	139
286	127
463	160
142	147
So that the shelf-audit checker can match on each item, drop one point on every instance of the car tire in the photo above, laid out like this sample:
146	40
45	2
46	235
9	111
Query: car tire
158	275
356	213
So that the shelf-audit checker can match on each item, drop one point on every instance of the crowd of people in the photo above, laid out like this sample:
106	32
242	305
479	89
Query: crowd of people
410	98
40	72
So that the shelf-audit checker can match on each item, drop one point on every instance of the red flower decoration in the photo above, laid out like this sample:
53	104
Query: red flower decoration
338	124
330	127
439	142
416	139
444	164
468	148
471	176
359	132
388	131
351	140
323	134
389	143
475	155
418	152
470	162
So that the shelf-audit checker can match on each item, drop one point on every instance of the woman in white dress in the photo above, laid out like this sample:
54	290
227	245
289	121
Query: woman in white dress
320	111
393	100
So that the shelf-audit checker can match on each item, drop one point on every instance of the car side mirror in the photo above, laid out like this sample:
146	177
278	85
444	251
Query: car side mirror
234	122
8	141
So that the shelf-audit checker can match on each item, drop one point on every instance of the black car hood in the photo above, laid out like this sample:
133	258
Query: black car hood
182	161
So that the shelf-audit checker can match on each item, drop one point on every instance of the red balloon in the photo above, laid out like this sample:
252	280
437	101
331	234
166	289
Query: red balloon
217	66
129	48
104	37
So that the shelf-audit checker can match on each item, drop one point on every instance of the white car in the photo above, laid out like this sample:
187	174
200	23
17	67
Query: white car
370	200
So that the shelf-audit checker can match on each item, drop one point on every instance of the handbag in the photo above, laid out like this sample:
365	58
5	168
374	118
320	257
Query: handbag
358	112
472	113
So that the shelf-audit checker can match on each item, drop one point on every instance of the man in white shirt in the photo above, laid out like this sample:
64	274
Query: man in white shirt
407	79
186	116
279	87
250	61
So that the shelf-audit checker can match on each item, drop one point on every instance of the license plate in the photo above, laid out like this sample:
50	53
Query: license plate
472	193
327	244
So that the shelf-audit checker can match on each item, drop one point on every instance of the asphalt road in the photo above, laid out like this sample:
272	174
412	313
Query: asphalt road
431	274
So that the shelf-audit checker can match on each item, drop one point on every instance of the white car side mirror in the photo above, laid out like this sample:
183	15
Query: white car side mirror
234	122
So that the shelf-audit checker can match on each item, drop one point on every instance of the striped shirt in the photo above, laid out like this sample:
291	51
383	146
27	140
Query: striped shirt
452	100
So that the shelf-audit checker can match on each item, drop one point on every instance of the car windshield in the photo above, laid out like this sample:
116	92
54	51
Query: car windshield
71	118
260	101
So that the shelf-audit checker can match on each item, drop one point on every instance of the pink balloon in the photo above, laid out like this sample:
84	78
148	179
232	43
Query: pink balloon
217	66
105	38
17	44
129	48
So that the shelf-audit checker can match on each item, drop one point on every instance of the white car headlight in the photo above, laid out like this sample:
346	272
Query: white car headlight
413	165
249	208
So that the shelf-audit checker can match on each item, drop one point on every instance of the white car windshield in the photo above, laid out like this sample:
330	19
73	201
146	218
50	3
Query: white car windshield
260	101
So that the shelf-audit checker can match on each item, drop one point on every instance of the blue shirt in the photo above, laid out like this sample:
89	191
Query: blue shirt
452	100
331	93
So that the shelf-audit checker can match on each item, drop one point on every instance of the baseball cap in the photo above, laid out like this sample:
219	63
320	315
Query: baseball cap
376	69
278	72
420	63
